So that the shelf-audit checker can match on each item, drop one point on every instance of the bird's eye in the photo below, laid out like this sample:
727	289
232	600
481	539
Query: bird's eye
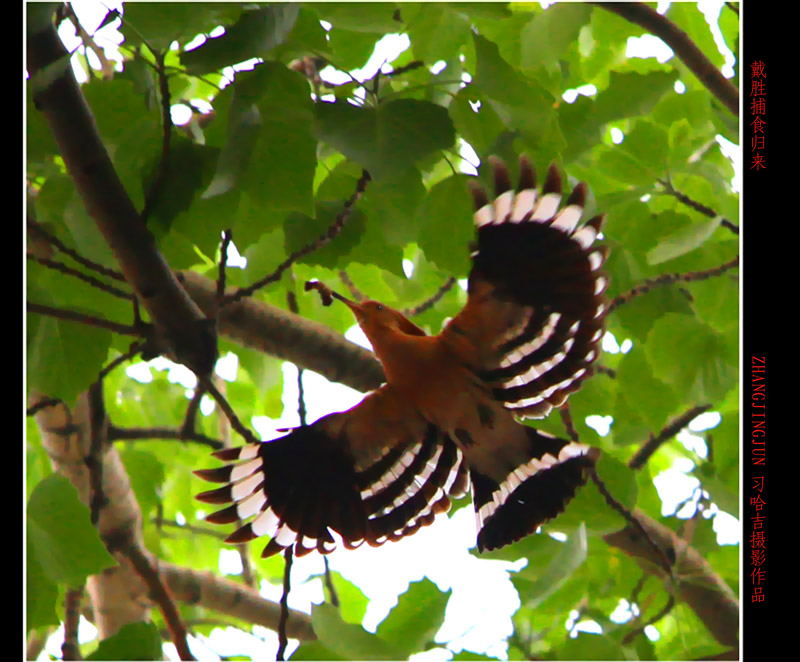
378	306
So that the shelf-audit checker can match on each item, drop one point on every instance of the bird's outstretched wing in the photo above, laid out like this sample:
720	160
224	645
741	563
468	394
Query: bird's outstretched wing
533	321
376	472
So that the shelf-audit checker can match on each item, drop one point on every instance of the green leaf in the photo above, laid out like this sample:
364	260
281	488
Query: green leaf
313	650
479	128
392	203
445	227
541	582
279	171
590	647
351	49
387	139
683	241
589	507
347	641
650	399
630	94
244	127
549	34
49	340
437	32
707	368
159	24
147	476
40	591
189	170
416	619
65	543
255	34
361	17
352	601
520	101
134	641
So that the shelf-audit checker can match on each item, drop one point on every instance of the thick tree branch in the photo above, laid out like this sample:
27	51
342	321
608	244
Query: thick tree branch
234	599
119	595
648	18
57	95
694	579
290	337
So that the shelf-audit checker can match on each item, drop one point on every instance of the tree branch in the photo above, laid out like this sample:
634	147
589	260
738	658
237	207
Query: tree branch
648	18
72	316
157	186
669	279
57	95
69	271
148	571
334	229
433	300
697	206
696	583
234	599
652	445
280	333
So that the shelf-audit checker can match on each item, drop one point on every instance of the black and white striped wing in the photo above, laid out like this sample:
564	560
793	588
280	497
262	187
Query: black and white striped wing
536	304
371	474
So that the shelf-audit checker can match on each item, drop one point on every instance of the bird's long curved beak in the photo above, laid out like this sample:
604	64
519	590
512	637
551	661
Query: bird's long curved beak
329	294
358	311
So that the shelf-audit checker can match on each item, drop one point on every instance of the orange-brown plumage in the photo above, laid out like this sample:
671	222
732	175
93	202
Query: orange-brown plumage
448	413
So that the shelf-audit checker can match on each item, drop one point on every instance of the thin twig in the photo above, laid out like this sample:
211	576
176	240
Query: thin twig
227	237
94	460
631	520
320	241
433	300
81	318
187	428
61	246
70	649
651	446
291	300
329	583
566	417
160	594
669	279
189	528
357	294
143	434
416	64
42	404
283	640
157	186
94	282
663	612
132	351
605	370
236	424
697	206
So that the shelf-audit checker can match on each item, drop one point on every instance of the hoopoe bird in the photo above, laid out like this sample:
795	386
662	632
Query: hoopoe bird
447	420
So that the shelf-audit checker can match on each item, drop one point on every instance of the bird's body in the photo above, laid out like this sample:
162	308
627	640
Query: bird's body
447	416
